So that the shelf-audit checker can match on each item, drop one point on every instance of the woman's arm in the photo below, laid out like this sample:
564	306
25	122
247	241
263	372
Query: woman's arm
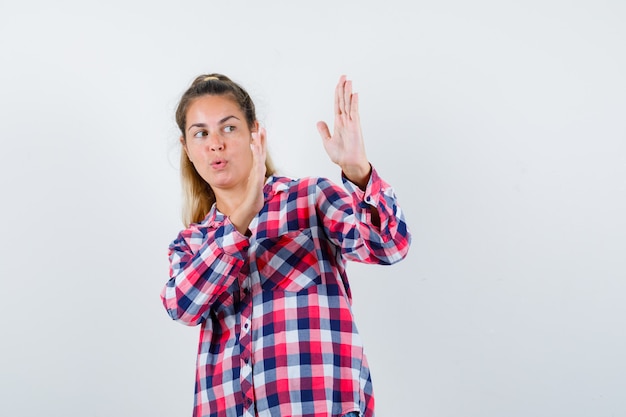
368	226
198	277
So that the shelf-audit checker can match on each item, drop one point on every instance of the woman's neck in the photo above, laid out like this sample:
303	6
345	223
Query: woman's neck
228	200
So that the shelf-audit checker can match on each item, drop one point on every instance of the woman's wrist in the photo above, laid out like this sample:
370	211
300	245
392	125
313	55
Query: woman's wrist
359	174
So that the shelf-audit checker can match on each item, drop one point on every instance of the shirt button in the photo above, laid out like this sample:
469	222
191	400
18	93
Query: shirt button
245	326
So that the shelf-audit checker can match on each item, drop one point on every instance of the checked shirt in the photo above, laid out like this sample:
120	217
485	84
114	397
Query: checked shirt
277	334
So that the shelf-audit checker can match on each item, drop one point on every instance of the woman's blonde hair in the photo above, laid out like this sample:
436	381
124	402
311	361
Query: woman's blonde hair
198	197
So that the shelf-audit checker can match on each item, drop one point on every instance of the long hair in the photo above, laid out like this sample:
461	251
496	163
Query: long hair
198	196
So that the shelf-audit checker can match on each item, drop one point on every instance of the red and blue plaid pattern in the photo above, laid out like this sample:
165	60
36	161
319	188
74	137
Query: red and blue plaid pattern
277	332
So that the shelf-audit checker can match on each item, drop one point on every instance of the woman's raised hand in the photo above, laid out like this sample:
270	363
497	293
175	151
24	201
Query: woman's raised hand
256	181
254	199
345	146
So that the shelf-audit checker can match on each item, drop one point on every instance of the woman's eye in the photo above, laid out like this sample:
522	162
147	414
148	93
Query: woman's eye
200	134
229	129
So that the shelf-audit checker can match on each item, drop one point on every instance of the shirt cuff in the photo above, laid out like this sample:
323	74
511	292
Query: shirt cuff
372	190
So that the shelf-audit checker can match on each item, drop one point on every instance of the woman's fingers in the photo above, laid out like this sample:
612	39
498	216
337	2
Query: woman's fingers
255	147
258	142
340	104
322	128
354	107
347	97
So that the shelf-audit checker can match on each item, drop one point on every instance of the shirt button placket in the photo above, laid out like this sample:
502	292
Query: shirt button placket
245	363
245	355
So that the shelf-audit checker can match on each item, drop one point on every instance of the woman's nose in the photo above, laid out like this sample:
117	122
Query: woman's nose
216	143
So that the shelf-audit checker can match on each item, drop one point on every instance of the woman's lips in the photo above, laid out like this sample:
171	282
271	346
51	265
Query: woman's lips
218	163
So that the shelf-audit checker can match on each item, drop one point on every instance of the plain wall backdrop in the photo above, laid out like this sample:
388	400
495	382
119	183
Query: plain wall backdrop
500	124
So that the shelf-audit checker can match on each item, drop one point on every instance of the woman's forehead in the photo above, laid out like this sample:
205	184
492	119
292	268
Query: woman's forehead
213	107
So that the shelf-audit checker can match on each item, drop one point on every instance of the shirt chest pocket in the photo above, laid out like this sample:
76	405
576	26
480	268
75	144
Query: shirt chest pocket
288	262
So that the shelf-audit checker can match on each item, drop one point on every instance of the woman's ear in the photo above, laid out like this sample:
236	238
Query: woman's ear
183	144
255	128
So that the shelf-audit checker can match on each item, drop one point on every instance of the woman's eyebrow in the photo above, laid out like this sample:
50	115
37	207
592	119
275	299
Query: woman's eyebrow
226	118
219	122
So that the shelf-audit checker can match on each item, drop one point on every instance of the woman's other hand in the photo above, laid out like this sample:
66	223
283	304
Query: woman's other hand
345	146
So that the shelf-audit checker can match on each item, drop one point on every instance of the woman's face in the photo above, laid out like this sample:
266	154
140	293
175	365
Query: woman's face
217	141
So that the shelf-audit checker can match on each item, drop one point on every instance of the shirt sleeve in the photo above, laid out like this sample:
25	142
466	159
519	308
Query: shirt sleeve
347	220
198	277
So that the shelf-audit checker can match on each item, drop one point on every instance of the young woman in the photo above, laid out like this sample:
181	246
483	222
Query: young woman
260	265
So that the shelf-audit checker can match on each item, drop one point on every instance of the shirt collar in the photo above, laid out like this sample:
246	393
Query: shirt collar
273	185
